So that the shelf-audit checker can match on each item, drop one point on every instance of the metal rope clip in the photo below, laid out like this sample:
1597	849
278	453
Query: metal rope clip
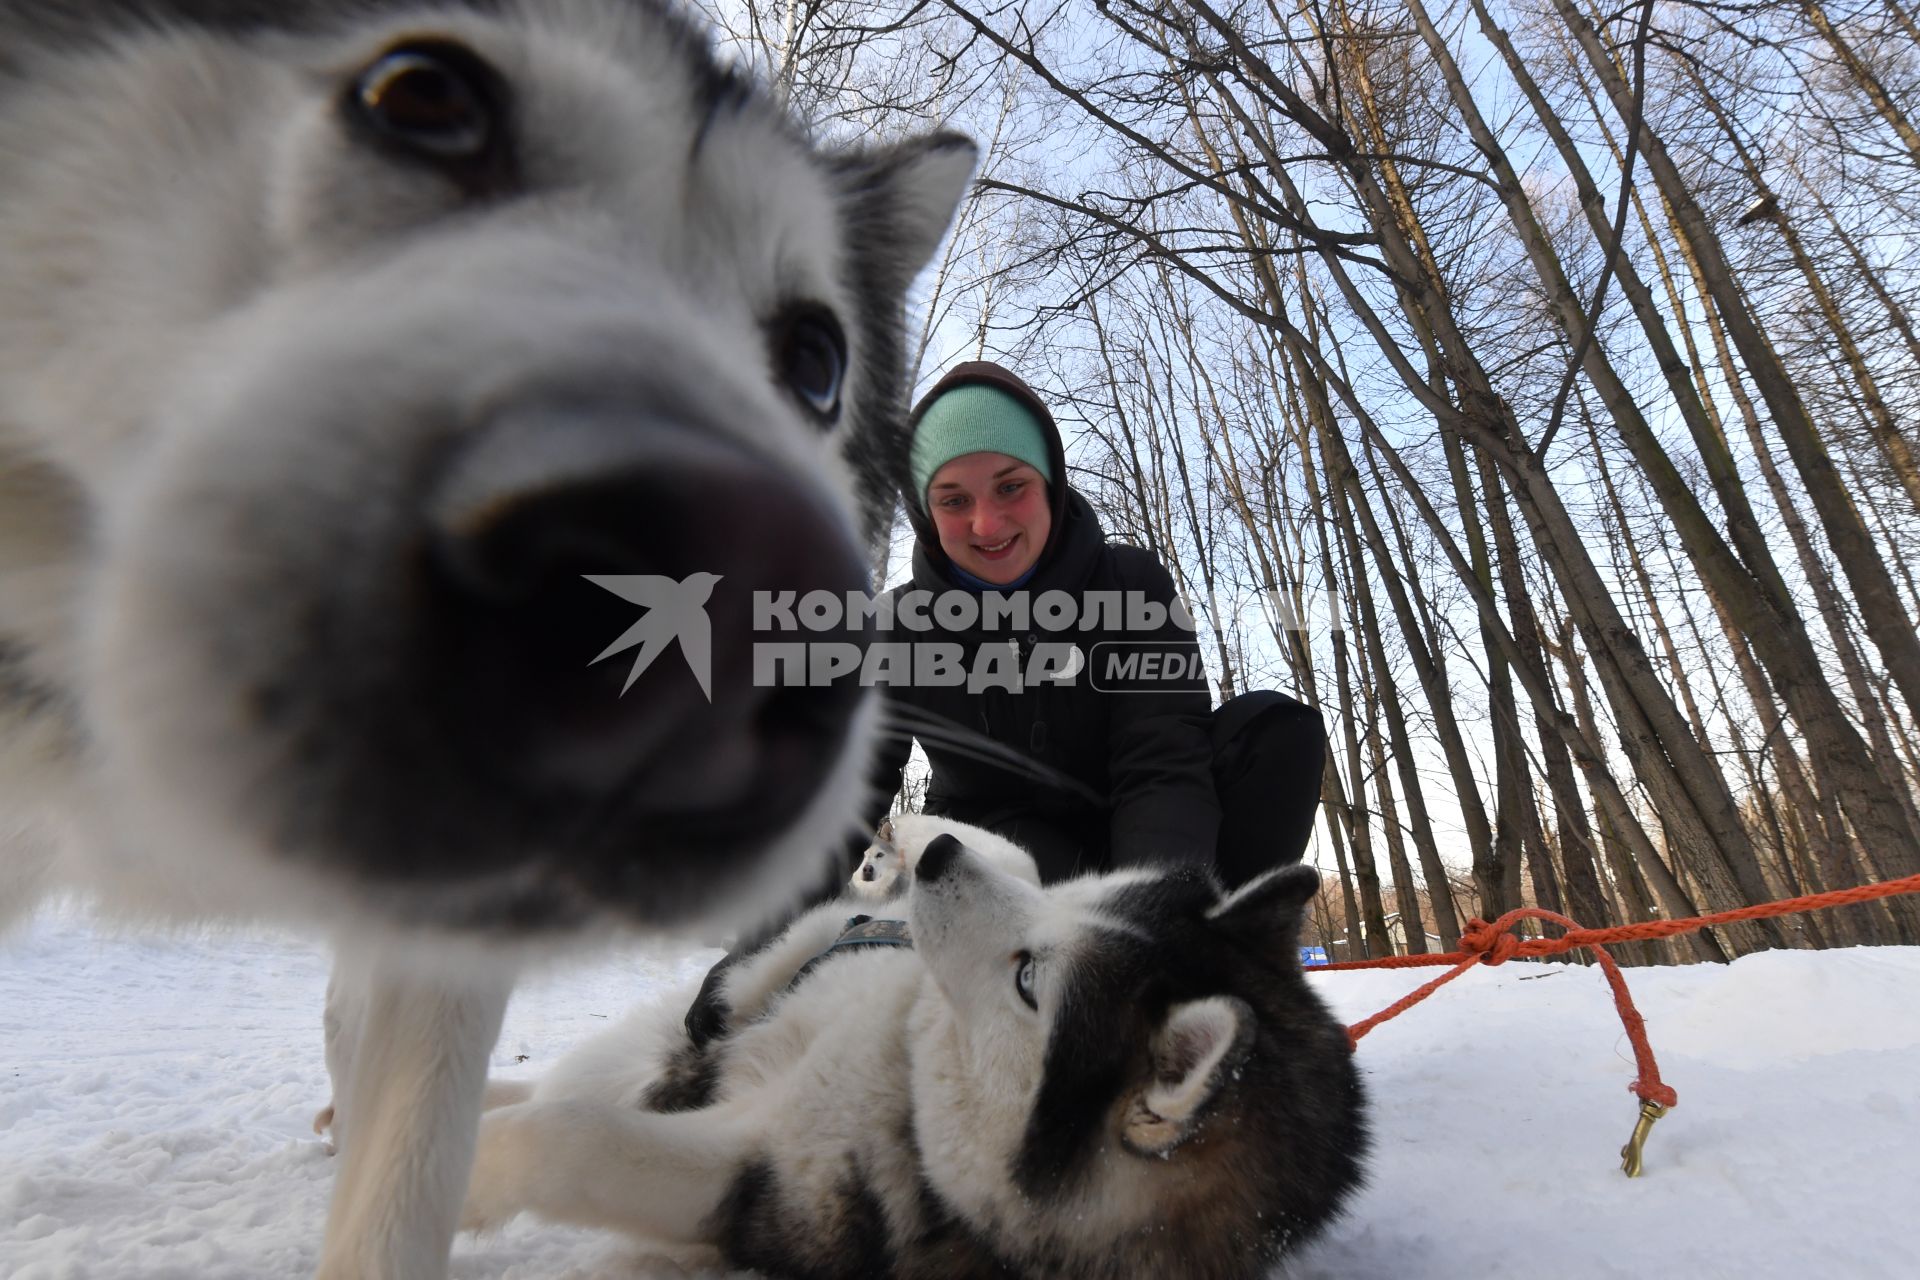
1631	1155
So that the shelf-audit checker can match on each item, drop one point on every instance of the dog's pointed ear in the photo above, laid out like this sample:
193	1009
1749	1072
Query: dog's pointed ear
900	201
1269	906
895	204
1195	1053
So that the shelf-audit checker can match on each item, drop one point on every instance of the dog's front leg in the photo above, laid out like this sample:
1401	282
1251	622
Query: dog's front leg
658	1176
752	983
408	1099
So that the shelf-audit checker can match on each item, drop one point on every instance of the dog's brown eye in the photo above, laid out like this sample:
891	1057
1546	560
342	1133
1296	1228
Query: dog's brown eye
438	102
810	356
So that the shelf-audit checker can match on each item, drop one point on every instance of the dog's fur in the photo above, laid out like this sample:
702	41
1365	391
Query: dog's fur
317	400
746	989
1177	1104
886	867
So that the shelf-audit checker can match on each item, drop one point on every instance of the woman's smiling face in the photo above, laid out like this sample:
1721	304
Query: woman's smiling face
992	514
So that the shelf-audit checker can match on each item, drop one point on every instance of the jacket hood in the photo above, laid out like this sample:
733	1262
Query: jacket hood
1065	504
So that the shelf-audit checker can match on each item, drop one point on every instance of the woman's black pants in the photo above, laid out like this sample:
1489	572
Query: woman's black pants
1269	752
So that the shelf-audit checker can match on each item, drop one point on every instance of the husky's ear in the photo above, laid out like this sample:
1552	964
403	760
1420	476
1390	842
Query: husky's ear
900	201
1194	1053
1270	904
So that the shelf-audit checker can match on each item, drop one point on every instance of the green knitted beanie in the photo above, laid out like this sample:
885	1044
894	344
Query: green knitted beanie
975	418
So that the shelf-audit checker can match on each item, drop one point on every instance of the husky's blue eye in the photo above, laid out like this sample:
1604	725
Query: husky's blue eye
810	357
1023	979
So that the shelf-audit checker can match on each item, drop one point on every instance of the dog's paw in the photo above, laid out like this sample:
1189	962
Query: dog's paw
496	1190
709	1017
322	1124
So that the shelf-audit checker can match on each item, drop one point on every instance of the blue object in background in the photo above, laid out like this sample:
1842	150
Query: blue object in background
1313	955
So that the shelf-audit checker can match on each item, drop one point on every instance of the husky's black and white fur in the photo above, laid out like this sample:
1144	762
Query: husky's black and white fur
1117	1077
338	340
886	866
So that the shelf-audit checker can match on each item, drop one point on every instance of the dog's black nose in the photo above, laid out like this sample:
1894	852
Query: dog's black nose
937	857
592	575
867	872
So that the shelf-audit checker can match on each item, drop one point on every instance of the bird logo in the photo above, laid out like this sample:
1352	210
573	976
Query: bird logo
676	610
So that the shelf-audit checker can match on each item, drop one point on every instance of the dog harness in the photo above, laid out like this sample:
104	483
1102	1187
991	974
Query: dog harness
861	931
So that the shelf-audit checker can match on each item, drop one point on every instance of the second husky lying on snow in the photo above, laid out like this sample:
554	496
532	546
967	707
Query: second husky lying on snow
1119	1076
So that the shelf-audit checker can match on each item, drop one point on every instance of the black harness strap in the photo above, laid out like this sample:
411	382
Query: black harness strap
861	931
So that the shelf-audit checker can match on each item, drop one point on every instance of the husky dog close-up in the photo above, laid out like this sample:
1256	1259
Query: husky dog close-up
1119	1076
339	343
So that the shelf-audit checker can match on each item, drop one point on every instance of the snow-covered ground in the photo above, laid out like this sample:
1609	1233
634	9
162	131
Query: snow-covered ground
156	1096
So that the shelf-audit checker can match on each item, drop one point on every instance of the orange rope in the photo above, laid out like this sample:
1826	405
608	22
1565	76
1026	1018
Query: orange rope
1491	944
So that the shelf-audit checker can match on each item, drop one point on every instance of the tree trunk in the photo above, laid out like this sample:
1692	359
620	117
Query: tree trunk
1584	898
1639	875
1892	630
1863	76
1359	821
1752	586
1893	446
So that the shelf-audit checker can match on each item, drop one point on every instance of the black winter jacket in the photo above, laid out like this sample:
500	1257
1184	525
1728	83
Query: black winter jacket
1146	752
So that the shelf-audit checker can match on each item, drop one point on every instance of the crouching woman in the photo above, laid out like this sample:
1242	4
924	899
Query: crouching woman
1120	709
